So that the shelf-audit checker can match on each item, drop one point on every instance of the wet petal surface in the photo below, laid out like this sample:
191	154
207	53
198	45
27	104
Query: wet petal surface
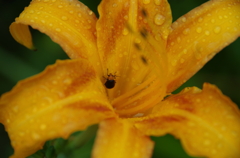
67	97
119	138
69	23
198	36
207	122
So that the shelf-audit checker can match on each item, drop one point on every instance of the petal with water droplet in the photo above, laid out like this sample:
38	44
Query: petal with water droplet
206	122
203	32
75	34
52	104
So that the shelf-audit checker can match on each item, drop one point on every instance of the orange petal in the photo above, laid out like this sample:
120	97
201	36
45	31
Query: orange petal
69	23
207	122
66	97
132	41
119	138
198	36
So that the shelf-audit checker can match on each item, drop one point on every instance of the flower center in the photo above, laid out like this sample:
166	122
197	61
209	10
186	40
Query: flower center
140	99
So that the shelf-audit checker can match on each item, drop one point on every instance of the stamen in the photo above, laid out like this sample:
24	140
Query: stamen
139	99
121	99
142	94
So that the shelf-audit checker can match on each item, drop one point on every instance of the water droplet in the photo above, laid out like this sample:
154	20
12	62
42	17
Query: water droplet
137	40
79	15
178	39
43	126
220	17
120	55
114	5
64	18
174	62
58	30
146	1
183	19
200	19
31	11
157	37
90	12
125	31
186	31
71	11
125	17
60	6
35	136
45	0
157	2
199	30
185	51
213	21
53	0
217	29
77	21
207	33
207	142
43	21
159	19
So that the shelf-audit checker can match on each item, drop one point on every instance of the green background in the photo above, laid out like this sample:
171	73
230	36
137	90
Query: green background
17	62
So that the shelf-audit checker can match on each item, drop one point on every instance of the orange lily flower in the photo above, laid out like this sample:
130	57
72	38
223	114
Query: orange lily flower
150	56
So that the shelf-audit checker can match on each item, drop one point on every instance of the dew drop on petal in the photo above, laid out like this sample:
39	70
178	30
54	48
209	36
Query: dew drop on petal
60	6
114	5
207	33
64	18
58	30
184	19
217	29
125	17
146	1
35	136
90	12
42	126
31	11
207	142
200	19
186	31
199	30
159	19
125	31
157	2
182	60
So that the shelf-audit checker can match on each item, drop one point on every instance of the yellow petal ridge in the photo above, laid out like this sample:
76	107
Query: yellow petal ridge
206	122
198	36
68	96
118	139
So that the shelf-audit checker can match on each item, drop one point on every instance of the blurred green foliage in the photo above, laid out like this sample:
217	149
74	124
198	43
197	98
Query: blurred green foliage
17	62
